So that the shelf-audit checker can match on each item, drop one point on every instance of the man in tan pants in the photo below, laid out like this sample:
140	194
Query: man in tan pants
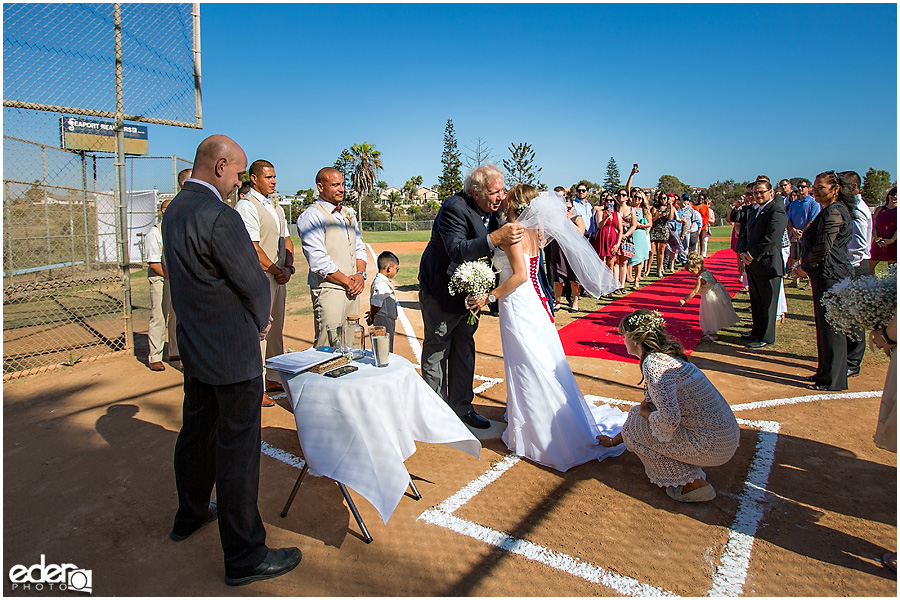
335	252
265	222
162	315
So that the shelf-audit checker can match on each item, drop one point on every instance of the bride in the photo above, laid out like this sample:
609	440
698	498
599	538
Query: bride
549	421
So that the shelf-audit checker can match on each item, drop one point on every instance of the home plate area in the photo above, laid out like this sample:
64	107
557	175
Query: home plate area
718	534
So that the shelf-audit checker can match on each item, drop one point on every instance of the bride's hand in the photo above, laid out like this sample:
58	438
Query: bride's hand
476	302
605	441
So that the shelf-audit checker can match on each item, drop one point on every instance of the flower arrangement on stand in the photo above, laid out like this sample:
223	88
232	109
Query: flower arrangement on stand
474	278
864	304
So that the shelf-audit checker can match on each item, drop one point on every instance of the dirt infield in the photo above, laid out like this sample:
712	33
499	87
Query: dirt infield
805	508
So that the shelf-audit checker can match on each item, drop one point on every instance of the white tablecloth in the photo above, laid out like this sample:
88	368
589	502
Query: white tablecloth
359	428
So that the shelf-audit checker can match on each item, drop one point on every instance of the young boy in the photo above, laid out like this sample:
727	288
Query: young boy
382	297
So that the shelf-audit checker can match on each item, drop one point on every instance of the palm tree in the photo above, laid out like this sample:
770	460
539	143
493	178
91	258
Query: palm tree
367	163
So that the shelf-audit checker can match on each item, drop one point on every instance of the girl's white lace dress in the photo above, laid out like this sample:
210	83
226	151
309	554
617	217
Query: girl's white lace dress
548	419
692	427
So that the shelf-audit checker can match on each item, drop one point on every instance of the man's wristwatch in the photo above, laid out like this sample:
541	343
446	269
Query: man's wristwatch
291	267
492	298
363	273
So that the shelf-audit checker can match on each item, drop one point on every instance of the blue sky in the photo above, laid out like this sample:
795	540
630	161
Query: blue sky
704	92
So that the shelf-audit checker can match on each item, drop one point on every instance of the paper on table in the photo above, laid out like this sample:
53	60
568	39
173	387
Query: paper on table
297	362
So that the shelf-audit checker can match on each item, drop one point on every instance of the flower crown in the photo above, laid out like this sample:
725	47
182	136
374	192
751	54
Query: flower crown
646	322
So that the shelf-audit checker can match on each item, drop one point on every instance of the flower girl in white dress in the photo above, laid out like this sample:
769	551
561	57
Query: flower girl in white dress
549	421
716	310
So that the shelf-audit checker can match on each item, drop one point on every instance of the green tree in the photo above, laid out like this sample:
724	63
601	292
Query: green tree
722	195
450	181
344	164
612	183
393	203
366	165
411	186
481	154
521	167
369	211
875	185
671	185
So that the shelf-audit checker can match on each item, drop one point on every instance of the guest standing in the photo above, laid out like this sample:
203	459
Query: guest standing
222	299
564	273
608	234
334	250
884	239
764	262
824	258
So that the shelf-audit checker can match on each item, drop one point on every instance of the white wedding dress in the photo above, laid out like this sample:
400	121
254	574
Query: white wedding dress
549	421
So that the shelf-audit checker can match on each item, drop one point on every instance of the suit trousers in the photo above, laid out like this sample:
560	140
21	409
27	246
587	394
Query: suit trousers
219	444
831	345
330	307
448	354
273	345
162	319
856	349
764	289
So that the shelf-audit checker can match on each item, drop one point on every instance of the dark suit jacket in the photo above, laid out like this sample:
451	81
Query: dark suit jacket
219	293
765	232
458	235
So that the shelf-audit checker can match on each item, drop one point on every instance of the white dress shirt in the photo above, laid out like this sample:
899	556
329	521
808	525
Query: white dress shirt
311	227
153	246
251	218
859	246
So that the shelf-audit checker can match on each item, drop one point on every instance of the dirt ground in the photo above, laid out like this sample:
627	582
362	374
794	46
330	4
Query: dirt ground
88	481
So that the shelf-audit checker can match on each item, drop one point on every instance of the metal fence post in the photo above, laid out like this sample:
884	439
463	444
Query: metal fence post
124	261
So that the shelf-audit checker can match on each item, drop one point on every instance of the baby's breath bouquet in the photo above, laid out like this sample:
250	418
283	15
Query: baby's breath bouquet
866	303
474	278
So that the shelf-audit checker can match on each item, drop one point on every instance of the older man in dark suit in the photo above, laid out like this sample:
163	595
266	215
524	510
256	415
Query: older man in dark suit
222	297
466	228
764	262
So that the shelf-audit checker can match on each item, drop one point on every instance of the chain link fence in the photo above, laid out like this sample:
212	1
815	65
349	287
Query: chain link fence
75	208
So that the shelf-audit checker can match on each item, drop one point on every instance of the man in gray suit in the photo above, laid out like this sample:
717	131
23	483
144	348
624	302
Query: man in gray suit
222	298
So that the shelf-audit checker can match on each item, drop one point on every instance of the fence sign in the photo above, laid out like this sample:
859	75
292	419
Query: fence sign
92	135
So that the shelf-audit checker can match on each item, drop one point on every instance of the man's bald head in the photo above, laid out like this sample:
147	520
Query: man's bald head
220	162
326	173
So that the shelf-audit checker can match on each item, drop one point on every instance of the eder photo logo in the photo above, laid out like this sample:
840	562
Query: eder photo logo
52	577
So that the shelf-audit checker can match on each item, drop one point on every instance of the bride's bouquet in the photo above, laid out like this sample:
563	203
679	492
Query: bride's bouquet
474	278
866	303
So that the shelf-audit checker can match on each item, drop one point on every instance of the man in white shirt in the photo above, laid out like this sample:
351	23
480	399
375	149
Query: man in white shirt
162	317
859	250
333	246
268	230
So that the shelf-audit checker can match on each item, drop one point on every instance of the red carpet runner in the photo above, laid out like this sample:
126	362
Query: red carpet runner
596	335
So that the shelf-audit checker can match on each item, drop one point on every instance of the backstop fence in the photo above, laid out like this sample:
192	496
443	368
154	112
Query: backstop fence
81	83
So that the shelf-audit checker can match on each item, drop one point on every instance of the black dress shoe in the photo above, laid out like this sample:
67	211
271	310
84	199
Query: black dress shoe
821	388
757	344
278	561
212	516
812	378
852	372
473	419
747	336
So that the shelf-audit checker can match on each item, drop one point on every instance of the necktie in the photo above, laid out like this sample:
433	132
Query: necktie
487	221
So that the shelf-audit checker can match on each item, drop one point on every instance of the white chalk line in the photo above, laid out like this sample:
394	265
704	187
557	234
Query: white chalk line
760	403
410	334
731	573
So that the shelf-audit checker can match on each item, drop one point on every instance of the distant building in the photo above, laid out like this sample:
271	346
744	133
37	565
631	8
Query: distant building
425	194
384	195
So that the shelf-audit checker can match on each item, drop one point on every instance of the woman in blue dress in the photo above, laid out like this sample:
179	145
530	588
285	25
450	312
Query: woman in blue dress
644	221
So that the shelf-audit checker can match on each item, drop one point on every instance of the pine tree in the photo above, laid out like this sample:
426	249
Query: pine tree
612	183
450	181
481	154
520	167
344	164
875	185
